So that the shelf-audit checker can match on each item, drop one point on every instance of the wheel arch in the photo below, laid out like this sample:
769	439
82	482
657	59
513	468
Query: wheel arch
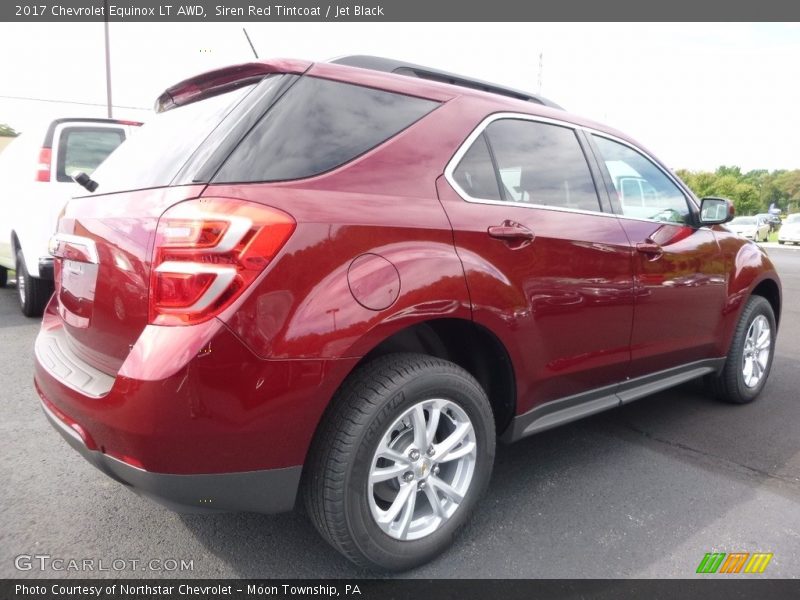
769	289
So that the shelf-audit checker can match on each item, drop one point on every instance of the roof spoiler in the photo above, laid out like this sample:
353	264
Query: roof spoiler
388	65
218	81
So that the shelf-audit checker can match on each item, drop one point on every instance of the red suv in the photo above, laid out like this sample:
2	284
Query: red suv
344	282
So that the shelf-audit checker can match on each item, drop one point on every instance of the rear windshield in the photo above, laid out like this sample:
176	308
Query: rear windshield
317	126
154	154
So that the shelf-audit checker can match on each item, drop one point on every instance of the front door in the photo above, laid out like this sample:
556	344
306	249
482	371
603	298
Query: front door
679	269
547	270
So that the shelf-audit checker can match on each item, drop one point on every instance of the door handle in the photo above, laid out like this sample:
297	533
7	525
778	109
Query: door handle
511	231
651	249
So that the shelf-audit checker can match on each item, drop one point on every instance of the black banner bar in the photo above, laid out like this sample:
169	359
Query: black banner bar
711	588
393	10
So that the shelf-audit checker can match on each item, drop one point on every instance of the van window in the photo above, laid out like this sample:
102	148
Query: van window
83	148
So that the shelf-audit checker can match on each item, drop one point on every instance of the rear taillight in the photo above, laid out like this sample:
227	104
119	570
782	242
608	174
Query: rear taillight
207	252
43	167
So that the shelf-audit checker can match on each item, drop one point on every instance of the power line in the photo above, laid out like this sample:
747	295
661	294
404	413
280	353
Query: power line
72	102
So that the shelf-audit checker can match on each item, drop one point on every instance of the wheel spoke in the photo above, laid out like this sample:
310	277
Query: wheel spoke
756	370
396	457
433	500
383	473
763	341
446	489
452	440
755	330
461	451
747	371
433	424
420	429
388	517
408	513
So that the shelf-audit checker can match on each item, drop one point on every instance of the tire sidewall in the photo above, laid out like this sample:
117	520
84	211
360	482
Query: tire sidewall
384	550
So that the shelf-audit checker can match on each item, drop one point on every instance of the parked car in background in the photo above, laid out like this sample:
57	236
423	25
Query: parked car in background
753	228
790	230
345	282
775	221
35	181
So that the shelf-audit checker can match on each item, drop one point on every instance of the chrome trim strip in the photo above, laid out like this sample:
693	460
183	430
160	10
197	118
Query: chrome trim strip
670	175
76	240
465	146
54	355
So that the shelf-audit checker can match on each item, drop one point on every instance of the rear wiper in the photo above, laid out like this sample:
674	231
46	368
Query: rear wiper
83	179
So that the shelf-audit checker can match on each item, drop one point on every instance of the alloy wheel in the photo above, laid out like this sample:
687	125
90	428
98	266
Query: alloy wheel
422	469
757	347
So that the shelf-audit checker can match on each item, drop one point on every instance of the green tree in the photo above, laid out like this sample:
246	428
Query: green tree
7	131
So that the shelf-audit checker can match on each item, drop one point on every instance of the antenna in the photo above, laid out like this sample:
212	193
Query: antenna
541	71
249	42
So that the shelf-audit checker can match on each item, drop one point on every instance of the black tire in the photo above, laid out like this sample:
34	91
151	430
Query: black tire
33	292
729	385
370	400
3	277
781	242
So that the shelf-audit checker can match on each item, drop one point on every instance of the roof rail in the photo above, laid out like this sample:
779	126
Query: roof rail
389	65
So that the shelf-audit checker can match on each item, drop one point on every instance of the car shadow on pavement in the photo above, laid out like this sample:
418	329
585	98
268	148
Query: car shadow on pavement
650	474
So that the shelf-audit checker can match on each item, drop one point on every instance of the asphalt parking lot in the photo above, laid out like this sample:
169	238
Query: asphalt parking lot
642	491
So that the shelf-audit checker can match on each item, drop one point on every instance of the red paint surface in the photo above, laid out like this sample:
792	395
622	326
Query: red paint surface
576	308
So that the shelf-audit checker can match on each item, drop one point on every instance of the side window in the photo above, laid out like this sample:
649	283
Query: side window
475	173
644	191
318	125
541	163
84	148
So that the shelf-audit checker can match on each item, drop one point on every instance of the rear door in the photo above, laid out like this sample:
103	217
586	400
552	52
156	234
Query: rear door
679	270
547	268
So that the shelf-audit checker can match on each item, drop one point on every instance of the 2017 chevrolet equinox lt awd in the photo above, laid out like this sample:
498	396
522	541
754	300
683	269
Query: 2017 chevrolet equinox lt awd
343	282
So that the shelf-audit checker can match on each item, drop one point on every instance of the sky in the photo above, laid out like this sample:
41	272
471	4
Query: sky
697	95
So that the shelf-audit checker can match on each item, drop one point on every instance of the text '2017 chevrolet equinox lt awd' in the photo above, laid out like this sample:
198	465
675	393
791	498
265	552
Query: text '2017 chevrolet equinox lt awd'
343	282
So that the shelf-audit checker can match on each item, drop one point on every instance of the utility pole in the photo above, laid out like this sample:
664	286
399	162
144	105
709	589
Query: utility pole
108	60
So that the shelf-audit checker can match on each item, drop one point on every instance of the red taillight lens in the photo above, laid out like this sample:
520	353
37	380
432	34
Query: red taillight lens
43	167
207	252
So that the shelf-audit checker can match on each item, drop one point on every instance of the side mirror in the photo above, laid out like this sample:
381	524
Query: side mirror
714	211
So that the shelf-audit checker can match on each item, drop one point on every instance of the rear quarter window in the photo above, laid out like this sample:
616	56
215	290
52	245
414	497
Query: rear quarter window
319	125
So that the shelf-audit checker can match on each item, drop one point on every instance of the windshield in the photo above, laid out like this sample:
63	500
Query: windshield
793	218
154	154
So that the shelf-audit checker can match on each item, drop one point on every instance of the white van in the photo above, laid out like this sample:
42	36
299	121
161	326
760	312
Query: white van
35	182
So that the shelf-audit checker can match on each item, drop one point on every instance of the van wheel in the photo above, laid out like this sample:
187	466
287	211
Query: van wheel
3	277
33	291
403	455
750	356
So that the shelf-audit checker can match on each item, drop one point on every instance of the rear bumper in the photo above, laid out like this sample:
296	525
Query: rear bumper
267	491
200	424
